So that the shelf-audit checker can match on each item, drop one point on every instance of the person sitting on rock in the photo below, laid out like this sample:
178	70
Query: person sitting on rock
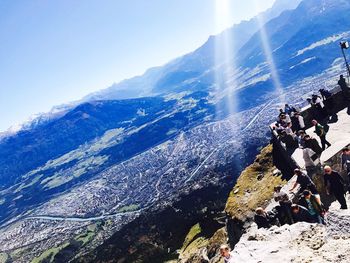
301	214
304	181
226	254
334	184
265	219
314	206
285	215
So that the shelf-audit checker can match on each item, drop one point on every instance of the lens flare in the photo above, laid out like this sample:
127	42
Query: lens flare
269	55
225	69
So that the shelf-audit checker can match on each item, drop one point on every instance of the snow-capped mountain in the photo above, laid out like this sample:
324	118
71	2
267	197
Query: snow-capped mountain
174	76
73	178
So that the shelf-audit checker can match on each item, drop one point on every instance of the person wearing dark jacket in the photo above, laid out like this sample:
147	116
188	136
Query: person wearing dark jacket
345	163
301	140
345	160
318	109
265	219
301	121
346	91
290	141
329	105
288	109
313	144
326	95
301	214
321	132
304	181
295	123
314	206
285	204
335	185
344	87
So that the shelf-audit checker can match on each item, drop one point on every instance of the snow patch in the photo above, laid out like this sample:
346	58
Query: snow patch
303	62
323	42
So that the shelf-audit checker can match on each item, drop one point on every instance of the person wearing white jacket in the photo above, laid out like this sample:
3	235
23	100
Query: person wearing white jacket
301	121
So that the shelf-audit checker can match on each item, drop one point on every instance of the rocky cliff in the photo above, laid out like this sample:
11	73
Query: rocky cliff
301	242
254	188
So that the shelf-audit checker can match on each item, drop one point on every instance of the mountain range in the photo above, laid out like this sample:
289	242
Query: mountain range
71	182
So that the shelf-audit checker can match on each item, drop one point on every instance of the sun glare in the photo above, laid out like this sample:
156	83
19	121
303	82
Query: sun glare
269	55
225	69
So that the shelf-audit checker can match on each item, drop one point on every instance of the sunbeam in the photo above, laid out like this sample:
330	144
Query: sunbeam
225	69
269	56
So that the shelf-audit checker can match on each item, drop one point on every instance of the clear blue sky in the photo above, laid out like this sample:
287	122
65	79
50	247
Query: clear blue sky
52	52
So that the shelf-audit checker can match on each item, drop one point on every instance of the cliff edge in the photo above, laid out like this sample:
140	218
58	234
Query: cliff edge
301	242
253	188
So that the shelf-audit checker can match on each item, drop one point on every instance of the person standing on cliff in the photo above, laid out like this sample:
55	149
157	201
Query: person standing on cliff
345	163
335	185
344	87
346	91
345	159
226	254
321	132
304	181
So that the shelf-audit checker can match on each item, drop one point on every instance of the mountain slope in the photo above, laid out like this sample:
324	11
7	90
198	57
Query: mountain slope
174	76
95	136
104	163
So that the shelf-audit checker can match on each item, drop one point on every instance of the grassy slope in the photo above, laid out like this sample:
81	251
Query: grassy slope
254	187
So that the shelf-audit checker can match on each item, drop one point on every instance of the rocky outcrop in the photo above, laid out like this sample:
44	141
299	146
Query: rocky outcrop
254	188
203	250
301	242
